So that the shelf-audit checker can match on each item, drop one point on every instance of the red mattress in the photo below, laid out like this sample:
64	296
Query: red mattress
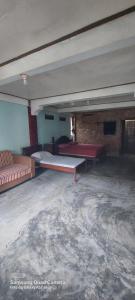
86	150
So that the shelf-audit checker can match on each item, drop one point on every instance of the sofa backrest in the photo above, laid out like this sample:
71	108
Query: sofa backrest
6	158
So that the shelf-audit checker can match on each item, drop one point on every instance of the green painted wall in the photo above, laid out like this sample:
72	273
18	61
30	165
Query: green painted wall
14	127
51	128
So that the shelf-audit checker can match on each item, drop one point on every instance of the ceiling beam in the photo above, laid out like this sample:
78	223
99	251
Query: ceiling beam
106	38
129	89
13	99
97	107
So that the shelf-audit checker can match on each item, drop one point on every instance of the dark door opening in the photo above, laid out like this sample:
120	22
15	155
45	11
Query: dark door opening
128	136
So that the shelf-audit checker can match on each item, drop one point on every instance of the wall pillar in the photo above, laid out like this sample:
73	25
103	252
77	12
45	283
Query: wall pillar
32	128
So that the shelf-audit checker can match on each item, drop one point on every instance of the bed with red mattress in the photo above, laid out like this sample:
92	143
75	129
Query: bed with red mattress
89	151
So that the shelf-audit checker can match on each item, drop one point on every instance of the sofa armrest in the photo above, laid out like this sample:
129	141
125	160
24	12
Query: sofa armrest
25	160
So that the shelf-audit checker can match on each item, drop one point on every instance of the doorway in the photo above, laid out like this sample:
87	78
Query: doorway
128	136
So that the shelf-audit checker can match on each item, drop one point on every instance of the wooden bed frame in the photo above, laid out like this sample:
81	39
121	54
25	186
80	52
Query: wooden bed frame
88	158
35	148
28	151
61	169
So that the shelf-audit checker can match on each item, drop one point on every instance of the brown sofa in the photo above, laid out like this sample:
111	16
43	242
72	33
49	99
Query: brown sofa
14	169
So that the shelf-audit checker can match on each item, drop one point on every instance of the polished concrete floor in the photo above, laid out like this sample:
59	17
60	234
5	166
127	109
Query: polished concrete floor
80	234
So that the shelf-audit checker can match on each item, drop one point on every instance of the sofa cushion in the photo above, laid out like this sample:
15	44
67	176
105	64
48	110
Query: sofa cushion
13	172
6	158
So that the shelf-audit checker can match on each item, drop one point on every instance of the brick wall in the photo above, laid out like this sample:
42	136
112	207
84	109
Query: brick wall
89	128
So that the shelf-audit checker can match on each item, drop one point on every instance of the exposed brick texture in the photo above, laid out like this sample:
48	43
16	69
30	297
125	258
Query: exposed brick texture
89	128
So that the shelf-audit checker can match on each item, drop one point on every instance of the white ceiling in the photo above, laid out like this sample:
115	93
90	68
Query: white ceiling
111	69
27	24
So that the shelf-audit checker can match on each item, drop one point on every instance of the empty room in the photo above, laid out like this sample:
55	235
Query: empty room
67	150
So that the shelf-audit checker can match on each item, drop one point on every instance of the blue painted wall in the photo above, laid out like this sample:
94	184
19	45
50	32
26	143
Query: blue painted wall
14	127
51	128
